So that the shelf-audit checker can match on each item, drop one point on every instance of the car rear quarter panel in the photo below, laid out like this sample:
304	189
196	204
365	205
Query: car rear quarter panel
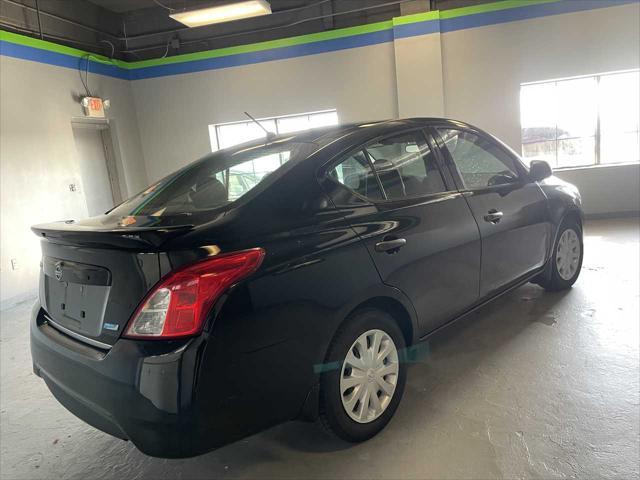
270	334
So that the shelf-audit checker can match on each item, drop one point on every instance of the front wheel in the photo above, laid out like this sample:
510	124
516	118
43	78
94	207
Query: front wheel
362	389
566	259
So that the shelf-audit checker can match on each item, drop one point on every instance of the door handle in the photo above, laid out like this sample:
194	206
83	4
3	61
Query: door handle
493	216
391	245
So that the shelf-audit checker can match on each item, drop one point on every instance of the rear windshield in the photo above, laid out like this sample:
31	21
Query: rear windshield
215	181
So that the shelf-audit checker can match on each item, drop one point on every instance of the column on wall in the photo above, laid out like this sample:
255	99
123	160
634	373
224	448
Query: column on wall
418	61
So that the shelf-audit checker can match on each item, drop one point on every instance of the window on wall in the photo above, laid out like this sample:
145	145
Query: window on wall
582	121
229	134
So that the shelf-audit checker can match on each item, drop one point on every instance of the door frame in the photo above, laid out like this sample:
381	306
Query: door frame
104	127
522	182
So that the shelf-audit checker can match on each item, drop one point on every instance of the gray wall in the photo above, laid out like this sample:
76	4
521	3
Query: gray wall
39	160
419	78
606	190
174	112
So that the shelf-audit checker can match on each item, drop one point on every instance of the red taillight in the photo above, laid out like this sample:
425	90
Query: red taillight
178	305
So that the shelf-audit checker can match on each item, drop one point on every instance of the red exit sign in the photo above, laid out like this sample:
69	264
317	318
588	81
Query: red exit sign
93	107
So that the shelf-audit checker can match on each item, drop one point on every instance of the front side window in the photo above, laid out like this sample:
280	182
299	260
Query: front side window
480	162
406	166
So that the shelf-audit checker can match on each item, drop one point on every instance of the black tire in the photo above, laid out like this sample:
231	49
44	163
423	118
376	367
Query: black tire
332	412
552	280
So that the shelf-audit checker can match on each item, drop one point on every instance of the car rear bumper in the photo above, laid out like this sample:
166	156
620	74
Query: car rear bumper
140	391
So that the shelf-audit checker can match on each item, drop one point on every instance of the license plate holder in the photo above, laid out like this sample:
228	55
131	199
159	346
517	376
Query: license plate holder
76	306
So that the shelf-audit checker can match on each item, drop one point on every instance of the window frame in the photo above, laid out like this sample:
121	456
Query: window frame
350	153
597	136
324	170
522	170
216	126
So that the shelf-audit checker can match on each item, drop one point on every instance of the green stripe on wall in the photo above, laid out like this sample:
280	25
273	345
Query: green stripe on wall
256	47
273	44
54	47
417	17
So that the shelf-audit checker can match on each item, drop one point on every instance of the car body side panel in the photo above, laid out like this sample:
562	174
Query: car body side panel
562	198
270	335
516	244
519	243
439	267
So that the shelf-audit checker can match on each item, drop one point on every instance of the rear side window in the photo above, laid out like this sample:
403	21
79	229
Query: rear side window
406	166
480	162
355	173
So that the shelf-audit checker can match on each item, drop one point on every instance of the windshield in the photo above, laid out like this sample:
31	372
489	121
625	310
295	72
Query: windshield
215	181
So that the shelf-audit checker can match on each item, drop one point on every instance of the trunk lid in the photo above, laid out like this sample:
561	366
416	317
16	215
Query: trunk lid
94	273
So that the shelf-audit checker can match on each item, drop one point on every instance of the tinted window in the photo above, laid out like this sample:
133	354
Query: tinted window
480	162
240	182
355	172
406	166
216	181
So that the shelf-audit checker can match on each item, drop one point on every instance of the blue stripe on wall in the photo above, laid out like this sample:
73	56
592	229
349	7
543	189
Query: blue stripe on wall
525	13
362	40
282	53
59	59
415	29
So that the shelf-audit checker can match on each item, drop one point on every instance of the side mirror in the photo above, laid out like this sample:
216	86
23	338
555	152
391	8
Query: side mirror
539	170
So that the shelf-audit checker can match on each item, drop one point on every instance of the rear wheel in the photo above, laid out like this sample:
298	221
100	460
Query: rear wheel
362	390
566	259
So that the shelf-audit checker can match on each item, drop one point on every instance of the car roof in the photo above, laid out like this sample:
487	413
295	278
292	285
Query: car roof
347	134
325	135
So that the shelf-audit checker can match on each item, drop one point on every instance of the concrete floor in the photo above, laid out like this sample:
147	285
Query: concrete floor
536	385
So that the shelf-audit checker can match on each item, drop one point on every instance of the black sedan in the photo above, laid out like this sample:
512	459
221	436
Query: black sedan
197	313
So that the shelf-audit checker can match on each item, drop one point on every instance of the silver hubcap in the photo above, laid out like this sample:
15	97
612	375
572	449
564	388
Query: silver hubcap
568	254
369	376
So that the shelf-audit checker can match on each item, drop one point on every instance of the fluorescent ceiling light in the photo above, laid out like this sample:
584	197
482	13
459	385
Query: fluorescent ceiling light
223	13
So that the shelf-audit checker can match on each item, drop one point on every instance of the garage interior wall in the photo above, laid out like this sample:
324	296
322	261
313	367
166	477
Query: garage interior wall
359	82
39	159
418	68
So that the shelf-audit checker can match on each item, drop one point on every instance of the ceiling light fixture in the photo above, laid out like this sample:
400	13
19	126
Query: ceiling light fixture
222	13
